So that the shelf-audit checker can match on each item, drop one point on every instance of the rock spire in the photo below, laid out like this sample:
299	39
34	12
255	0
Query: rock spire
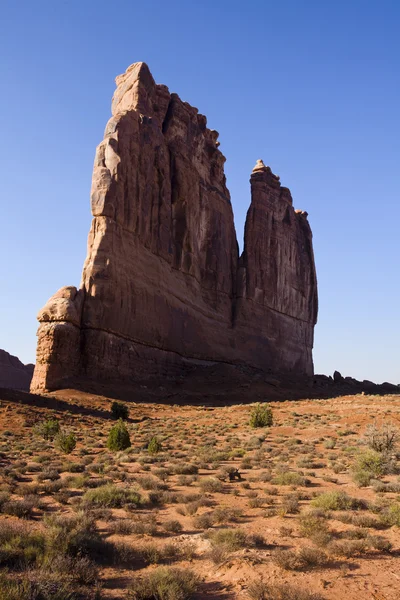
163	286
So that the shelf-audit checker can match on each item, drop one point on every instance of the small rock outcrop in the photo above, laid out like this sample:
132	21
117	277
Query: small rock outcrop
163	286
13	373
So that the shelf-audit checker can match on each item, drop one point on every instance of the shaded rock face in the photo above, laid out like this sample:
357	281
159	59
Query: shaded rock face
13	373
163	286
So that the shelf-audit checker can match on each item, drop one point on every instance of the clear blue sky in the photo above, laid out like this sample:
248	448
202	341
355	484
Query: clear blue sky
311	87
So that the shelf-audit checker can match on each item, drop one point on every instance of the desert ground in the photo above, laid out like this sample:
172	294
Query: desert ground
313	513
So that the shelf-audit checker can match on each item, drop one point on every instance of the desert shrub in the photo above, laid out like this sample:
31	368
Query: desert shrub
315	528
211	485
392	515
65	442
348	548
378	542
39	586
185	469
165	583
290	504
144	527
172	526
118	438
369	465
218	554
48	474
48	430
259	590
382	439
312	557
204	521
287	560
261	416
290	478
111	496
20	547
147	482
20	508
154	446
119	410
335	500
122	527
231	539
330	443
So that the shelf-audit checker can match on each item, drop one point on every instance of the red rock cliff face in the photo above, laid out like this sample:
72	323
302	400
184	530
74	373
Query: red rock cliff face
163	286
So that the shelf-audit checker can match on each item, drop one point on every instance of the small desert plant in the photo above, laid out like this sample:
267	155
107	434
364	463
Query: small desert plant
165	583
211	485
154	446
172	526
119	411
290	478
335	500
369	465
48	430
111	496
65	442
258	590
261	416
382	439
118	438
231	539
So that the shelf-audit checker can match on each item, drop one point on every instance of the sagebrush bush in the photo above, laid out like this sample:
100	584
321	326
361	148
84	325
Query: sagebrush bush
165	583
261	416
369	465
111	496
335	500
119	410
231	539
382	439
48	430
259	590
154	446
118	438
65	442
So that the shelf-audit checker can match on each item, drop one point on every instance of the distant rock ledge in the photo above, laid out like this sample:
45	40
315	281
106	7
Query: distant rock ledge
13	373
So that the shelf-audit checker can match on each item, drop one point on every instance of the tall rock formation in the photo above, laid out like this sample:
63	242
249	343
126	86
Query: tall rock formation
163	286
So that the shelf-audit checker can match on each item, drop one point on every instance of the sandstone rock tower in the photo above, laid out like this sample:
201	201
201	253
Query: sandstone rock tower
163	286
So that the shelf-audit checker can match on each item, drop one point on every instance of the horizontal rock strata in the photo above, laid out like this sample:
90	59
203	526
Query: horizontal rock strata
163	286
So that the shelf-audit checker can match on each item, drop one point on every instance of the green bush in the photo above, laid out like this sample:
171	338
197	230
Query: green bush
154	446
65	442
231	539
337	501
111	496
48	430
369	465
261	416
119	411
290	478
118	438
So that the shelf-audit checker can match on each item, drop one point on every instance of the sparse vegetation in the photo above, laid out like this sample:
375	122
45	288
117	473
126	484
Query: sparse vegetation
261	416
65	442
201	491
48	429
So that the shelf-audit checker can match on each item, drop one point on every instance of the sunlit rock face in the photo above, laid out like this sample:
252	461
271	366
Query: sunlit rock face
163	286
